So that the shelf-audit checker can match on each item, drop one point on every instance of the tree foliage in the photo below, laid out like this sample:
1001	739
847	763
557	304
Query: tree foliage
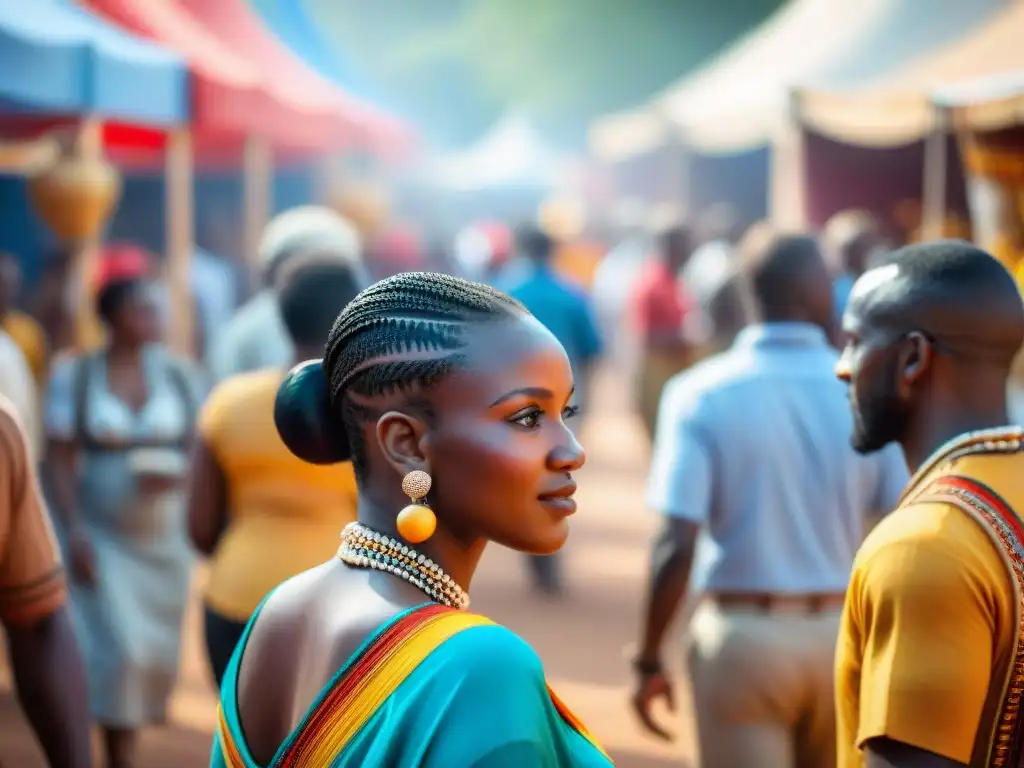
456	65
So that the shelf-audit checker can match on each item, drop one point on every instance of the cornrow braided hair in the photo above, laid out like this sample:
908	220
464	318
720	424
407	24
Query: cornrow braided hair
402	334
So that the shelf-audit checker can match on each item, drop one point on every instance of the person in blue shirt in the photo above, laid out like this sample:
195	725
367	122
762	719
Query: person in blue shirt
565	310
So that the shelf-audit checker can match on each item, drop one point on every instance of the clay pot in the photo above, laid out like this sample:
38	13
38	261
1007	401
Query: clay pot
366	205
74	195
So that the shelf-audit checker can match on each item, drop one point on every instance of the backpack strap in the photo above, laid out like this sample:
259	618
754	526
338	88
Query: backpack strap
179	378
80	393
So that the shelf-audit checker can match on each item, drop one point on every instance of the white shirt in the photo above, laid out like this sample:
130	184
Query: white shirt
213	284
754	445
707	270
255	338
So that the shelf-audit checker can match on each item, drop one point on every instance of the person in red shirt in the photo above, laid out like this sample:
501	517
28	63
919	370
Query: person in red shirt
659	309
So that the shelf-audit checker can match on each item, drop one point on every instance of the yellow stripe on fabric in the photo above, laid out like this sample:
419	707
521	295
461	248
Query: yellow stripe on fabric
575	723
375	688
232	757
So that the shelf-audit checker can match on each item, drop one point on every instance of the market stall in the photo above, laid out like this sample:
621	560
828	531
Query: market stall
240	114
76	70
740	103
987	117
893	117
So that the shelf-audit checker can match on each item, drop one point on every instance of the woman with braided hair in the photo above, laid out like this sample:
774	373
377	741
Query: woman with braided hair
449	394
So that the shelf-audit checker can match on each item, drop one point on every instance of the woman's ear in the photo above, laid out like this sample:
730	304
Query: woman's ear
401	438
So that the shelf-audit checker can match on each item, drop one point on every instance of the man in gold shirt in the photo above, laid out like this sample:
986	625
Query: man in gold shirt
930	657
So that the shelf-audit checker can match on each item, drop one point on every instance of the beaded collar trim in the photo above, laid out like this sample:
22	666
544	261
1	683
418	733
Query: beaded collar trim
1008	439
362	547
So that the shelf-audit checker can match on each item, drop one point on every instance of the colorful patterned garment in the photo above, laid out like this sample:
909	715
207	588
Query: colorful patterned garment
1004	738
435	688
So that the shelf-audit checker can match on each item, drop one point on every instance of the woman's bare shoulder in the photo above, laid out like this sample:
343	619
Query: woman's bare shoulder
268	670
309	627
326	603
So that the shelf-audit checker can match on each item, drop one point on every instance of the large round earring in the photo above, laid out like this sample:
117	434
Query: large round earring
416	522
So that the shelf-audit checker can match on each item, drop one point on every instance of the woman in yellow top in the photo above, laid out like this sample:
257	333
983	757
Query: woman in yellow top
261	514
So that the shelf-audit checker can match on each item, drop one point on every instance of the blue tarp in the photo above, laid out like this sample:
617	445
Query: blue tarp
58	58
291	22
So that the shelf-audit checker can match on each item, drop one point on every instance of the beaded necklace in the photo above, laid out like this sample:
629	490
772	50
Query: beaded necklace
995	440
362	547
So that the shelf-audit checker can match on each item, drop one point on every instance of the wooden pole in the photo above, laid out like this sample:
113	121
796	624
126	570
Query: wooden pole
19	158
330	173
257	197
180	238
88	329
933	184
786	169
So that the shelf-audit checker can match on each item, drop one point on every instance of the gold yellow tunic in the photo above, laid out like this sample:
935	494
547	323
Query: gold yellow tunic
932	623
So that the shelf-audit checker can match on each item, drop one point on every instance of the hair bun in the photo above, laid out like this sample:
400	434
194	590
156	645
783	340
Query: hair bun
305	420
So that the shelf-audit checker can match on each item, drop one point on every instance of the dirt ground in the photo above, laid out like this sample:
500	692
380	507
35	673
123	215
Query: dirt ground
583	638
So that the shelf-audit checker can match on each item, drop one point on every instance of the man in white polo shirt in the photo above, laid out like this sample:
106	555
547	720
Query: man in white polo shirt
752	457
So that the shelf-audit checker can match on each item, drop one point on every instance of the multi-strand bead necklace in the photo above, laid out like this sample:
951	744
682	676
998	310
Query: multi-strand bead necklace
362	547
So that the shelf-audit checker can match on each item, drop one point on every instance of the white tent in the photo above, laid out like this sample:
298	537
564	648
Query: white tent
511	154
985	104
896	108
742	98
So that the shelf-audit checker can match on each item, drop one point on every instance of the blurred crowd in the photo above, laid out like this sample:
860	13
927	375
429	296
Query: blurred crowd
149	460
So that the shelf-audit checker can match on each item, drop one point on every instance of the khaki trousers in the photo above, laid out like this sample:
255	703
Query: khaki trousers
654	372
762	687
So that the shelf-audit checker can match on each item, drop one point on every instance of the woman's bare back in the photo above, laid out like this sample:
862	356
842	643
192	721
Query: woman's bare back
308	629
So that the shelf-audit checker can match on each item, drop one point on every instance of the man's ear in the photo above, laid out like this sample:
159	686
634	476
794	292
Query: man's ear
915	359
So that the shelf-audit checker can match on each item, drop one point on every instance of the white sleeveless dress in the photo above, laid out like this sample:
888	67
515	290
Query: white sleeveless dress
129	623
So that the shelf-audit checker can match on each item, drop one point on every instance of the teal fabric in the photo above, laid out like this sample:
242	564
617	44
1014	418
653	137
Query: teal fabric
480	699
